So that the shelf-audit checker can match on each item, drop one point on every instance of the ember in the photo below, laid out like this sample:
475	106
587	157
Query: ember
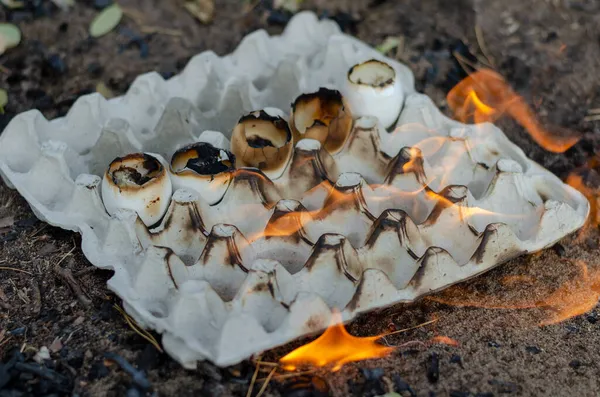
335	347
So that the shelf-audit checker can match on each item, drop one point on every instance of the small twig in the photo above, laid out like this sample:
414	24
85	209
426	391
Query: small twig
267	363
136	16
594	111
482	45
267	381
159	30
15	270
37	297
67	276
38	231
65	256
464	62
141	332
83	272
290	375
249	7
595	117
5	341
411	328
251	387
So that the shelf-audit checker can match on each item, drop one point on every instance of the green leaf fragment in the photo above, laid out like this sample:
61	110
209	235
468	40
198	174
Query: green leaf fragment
103	90
3	99
388	44
106	21
13	4
11	35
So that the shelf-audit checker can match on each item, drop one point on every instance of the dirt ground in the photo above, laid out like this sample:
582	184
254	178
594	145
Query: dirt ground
549	51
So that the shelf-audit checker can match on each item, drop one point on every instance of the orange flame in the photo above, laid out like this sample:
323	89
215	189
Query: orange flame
335	347
574	297
484	96
576	180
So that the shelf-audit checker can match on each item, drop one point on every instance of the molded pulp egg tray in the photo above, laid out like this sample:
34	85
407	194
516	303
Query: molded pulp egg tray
397	213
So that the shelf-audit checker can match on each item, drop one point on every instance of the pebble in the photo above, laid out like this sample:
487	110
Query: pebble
18	331
533	349
100	4
279	17
306	386
575	364
457	393
402	387
98	370
42	355
95	69
75	359
456	359
504	386
55	65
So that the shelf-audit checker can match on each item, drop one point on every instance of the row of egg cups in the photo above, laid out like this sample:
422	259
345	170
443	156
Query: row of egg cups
262	139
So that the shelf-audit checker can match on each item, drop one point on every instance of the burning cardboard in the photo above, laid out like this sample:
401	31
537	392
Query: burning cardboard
229	249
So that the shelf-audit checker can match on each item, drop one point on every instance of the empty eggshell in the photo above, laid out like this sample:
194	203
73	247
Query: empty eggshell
373	89
137	182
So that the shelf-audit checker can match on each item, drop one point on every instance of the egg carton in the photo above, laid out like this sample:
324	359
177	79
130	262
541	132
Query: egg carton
394	214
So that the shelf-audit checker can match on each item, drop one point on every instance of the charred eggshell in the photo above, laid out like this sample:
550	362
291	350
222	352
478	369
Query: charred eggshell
323	116
137	182
203	168
263	140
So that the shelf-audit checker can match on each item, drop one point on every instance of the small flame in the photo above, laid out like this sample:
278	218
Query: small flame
335	347
576	180
484	96
575	297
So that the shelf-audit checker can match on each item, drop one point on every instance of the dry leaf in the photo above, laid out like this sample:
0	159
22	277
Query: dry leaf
389	44
290	5
13	4
56	345
3	102
103	90
7	221
203	10
11	34
2	45
64	4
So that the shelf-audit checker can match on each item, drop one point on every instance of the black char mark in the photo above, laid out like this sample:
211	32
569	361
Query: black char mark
207	162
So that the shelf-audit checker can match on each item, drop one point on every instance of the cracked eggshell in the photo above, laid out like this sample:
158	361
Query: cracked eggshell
373	89
138	182
262	139
203	168
324	116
